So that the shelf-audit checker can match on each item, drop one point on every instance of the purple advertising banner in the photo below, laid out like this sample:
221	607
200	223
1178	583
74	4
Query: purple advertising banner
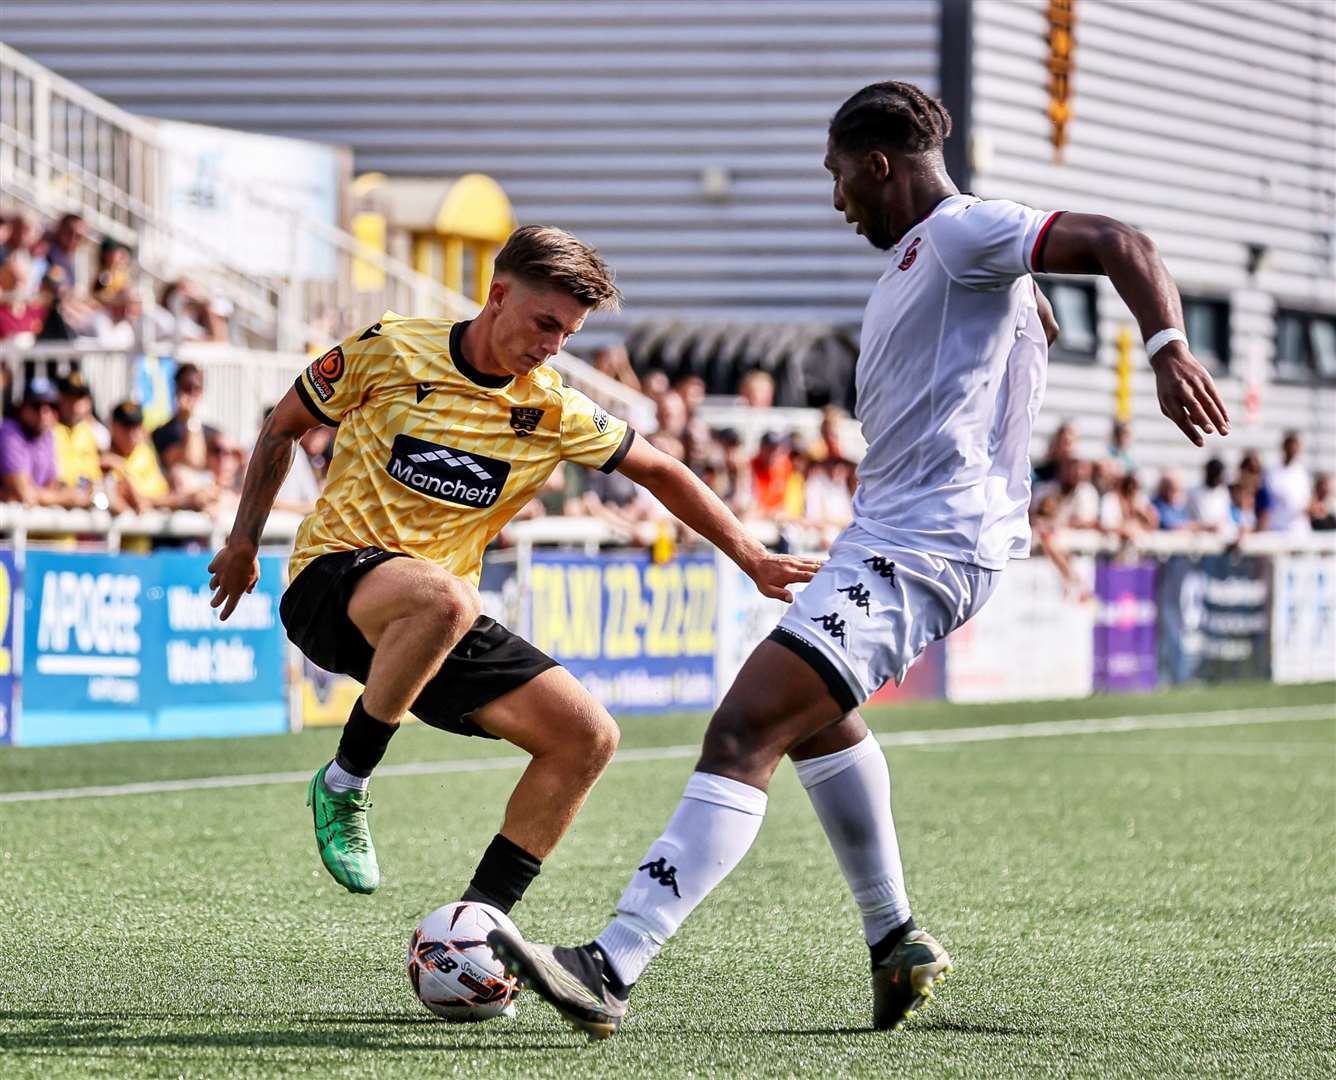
1125	657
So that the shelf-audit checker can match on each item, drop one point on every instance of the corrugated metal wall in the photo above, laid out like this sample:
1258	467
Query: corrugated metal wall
1211	125
599	116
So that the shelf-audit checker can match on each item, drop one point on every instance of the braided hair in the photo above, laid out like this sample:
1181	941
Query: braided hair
891	116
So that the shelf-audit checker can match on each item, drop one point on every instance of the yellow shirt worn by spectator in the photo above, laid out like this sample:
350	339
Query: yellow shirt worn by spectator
77	457
142	472
433	456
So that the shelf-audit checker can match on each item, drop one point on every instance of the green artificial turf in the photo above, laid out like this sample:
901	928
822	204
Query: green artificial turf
1144	903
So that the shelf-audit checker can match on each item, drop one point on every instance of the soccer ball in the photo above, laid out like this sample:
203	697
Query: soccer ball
453	972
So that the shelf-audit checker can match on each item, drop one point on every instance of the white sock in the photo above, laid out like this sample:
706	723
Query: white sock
710	832
851	791
339	780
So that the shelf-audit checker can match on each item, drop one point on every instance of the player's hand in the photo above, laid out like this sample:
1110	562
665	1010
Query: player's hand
1187	393
235	571
772	572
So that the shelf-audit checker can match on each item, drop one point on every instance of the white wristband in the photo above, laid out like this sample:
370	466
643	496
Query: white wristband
1160	340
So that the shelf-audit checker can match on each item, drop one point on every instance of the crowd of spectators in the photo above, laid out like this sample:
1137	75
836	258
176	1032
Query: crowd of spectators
56	285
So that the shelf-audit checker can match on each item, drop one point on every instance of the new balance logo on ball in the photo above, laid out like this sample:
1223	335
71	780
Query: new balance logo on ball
447	473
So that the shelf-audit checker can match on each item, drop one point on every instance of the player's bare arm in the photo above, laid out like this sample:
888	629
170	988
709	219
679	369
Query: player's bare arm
235	568
1093	244
1047	319
692	502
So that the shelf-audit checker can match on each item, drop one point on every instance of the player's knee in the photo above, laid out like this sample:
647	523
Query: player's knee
735	742
593	743
450	603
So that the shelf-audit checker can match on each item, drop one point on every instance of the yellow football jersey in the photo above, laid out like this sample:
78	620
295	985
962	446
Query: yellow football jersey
433	456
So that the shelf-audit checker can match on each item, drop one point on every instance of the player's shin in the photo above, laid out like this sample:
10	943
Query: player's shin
851	792
711	830
504	873
361	748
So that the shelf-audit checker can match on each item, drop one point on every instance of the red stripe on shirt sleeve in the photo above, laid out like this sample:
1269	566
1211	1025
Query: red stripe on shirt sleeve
1037	252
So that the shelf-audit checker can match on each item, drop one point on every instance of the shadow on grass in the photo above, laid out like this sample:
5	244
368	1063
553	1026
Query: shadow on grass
55	1030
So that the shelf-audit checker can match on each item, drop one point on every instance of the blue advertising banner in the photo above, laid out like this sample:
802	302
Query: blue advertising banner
1213	618
639	635
127	647
9	590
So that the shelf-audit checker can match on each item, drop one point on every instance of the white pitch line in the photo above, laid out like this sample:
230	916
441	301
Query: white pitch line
1110	725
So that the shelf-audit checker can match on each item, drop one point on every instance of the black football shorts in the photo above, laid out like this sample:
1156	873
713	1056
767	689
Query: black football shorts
488	661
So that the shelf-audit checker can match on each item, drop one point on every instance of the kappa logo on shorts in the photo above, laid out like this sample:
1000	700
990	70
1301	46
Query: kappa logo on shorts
447	473
325	372
524	422
858	596
881	565
665	875
833	625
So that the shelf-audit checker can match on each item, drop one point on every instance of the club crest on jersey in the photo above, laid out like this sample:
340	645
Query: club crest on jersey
911	253
325	372
524	422
447	473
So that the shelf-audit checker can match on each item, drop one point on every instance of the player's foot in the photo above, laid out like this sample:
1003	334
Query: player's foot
342	836
576	982
904	980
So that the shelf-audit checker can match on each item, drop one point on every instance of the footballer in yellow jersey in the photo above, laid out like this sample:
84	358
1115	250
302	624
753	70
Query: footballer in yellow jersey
433	456
445	430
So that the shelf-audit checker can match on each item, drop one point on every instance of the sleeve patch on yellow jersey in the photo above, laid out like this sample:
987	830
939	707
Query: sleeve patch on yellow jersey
325	372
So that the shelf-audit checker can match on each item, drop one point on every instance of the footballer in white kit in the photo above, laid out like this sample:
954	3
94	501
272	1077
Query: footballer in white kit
950	377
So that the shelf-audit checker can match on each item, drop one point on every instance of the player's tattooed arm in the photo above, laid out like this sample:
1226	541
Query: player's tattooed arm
692	502
1092	244
235	568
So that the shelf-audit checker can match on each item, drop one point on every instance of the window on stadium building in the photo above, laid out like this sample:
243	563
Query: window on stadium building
1078	325
1207	324
1305	346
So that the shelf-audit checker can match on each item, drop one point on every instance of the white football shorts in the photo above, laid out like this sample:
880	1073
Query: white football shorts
873	608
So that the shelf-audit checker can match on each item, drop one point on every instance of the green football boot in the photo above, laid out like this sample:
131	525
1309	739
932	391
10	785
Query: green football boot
342	836
903	982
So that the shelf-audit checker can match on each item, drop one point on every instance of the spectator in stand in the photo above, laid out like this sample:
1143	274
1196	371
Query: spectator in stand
1125	511
133	466
1105	475
771	469
1170	502
734	479
116	324
757	389
829	444
62	247
1321	516
1243	506
828	504
79	438
692	391
112	276
614	361
21	312
1061	448
183	314
29	472
61	311
1210	507
1290	487
1120	447
1253	499
671	413
1074	500
183	442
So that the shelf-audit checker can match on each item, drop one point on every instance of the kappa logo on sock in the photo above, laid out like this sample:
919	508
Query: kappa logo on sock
858	596
883	566
665	875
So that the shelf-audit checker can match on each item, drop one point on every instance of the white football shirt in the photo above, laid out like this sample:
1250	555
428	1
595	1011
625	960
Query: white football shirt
951	371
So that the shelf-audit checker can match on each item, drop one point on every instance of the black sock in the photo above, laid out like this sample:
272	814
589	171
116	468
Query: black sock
886	945
503	873
364	741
